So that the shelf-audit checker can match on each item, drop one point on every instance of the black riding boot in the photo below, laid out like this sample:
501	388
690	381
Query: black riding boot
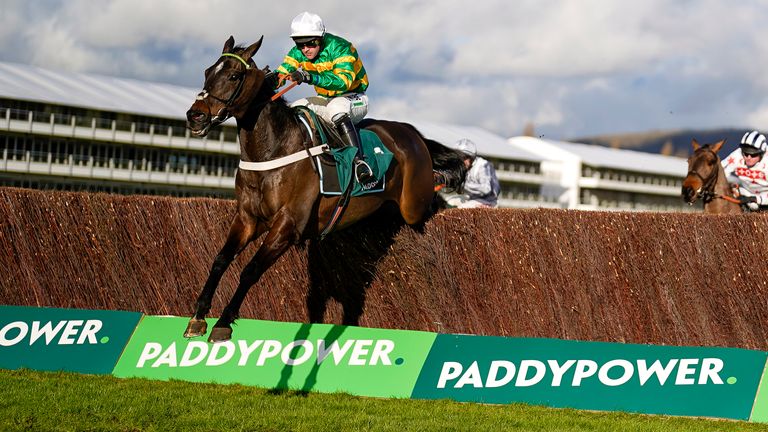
343	123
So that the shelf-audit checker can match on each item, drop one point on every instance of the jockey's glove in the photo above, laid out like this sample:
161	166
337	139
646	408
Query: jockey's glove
301	76
744	200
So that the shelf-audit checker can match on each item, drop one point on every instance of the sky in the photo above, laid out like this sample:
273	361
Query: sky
569	68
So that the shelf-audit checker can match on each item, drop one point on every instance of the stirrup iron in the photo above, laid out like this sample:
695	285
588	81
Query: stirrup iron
363	171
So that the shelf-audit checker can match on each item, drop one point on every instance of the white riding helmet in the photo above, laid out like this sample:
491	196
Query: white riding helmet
466	146
755	140
307	24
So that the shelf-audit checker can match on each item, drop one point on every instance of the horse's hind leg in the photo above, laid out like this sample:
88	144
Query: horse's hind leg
240	234
416	197
281	236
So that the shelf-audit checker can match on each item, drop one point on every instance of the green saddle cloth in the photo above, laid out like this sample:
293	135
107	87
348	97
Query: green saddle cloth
376	155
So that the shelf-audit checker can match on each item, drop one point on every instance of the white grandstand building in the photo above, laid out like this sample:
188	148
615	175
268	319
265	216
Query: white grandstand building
73	131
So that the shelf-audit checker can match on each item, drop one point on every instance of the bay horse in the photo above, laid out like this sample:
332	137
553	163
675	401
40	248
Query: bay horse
285	204
706	180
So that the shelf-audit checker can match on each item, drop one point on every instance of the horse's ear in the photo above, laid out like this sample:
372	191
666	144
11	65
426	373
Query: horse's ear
695	144
716	146
228	45
251	50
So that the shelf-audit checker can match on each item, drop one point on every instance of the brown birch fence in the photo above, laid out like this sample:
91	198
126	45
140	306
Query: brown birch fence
660	278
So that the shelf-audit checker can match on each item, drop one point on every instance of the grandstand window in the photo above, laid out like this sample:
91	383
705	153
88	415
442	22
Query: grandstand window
103	123
61	151
194	163
39	151
142	127
18	114
178	130
62	119
230	134
214	134
123	125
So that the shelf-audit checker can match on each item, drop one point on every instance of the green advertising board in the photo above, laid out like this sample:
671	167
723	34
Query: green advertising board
760	410
73	340
691	381
317	357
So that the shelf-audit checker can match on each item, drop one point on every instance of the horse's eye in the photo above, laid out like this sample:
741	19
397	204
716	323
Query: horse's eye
235	76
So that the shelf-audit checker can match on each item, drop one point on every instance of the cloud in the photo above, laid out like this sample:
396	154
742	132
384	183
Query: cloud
571	67
53	47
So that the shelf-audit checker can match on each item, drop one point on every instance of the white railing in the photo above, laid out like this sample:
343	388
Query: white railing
107	130
627	186
90	170
512	176
613	177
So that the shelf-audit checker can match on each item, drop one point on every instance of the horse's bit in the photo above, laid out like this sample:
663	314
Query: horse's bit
706	192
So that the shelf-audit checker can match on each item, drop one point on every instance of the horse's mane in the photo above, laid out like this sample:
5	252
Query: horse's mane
280	111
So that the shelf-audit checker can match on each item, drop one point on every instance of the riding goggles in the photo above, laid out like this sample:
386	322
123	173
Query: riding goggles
751	153
313	43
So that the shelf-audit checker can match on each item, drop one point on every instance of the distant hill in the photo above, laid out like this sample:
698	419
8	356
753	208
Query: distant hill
671	143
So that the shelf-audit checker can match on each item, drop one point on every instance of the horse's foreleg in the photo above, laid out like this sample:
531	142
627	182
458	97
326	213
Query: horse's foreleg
281	236
240	234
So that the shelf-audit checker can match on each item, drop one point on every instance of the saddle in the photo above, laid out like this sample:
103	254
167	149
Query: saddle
335	167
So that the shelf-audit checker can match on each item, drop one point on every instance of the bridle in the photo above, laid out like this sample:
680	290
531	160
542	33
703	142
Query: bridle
707	191
224	113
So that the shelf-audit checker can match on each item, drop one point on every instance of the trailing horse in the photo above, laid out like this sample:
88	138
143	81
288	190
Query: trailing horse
706	180
279	196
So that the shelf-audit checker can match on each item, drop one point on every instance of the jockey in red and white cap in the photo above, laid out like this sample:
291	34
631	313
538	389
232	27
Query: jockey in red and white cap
747	170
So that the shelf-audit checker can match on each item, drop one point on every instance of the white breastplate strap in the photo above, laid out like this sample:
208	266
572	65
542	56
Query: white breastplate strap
283	161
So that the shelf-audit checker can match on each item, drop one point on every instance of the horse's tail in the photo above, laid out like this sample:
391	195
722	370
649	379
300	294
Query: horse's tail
447	164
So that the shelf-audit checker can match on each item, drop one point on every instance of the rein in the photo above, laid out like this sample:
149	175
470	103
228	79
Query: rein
709	196
283	91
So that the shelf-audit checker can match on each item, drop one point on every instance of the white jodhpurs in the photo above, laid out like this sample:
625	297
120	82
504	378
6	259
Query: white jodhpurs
353	104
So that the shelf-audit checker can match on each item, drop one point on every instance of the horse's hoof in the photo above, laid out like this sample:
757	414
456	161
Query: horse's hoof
220	334
196	327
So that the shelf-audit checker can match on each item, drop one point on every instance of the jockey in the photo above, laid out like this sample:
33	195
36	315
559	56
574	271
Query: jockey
747	171
481	186
332	65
